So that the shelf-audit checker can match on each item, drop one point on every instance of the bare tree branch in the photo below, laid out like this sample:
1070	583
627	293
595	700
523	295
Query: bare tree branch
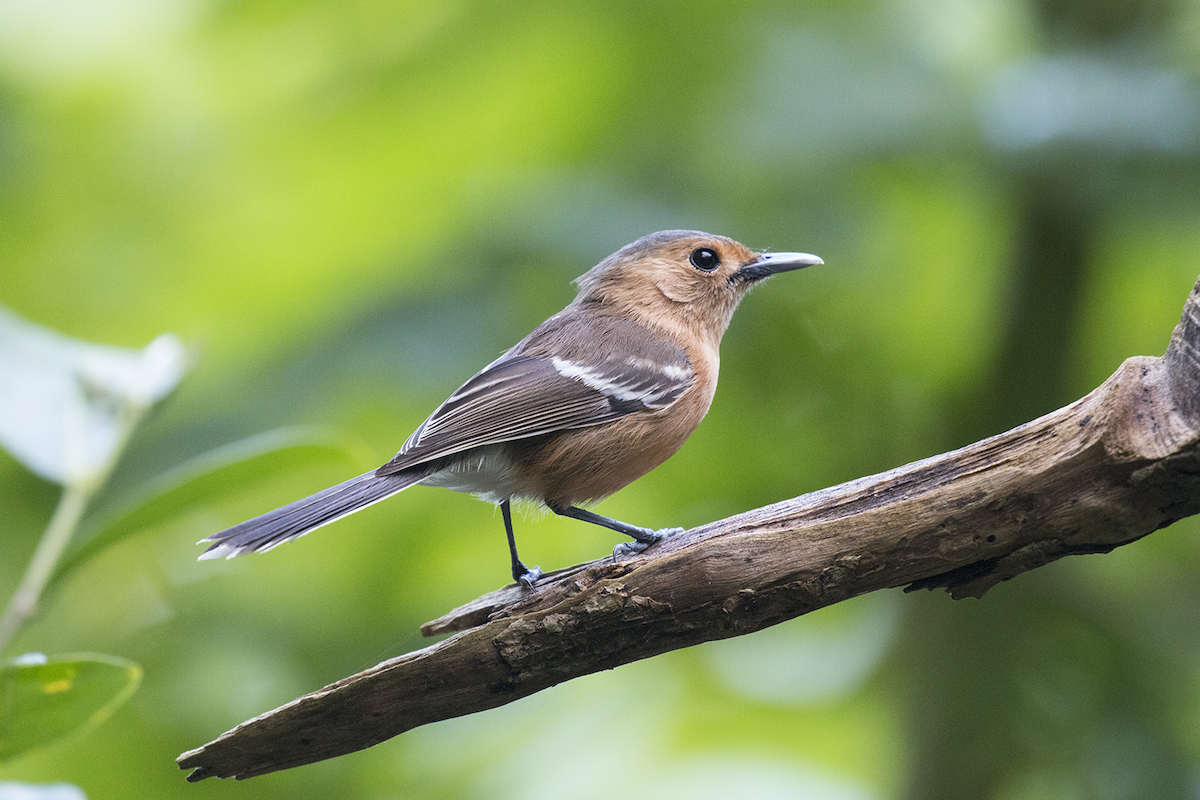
1106	470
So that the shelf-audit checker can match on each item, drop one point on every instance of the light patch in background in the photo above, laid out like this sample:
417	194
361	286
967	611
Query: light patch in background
814	659
1088	99
619	735
11	790
811	99
971	36
57	41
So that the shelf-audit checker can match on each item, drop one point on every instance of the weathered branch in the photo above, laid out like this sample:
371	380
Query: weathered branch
1104	471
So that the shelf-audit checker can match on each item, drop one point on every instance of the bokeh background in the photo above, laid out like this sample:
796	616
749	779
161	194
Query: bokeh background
346	208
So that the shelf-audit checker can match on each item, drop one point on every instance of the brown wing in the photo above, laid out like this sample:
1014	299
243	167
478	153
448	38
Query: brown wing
529	392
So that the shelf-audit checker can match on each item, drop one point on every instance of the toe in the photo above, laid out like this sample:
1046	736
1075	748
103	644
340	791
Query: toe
530	577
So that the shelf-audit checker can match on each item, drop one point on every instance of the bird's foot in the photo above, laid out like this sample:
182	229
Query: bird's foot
643	541
529	577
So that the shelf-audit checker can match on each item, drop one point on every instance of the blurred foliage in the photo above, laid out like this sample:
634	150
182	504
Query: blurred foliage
350	207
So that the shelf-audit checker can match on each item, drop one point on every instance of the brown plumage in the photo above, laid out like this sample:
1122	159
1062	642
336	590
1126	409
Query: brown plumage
595	397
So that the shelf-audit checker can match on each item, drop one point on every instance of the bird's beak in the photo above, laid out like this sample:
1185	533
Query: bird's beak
769	264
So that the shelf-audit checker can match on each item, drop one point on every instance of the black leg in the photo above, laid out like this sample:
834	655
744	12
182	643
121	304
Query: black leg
643	537
521	573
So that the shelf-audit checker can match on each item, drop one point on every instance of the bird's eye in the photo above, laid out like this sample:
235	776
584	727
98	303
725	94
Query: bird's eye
705	258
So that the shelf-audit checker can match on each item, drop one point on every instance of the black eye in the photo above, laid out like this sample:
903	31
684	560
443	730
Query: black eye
705	258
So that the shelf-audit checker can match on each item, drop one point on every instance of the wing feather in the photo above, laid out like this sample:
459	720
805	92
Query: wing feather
526	393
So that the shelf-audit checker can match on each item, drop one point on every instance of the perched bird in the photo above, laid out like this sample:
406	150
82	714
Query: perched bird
597	396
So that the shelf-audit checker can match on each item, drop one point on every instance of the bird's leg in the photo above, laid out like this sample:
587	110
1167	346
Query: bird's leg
522	574
642	537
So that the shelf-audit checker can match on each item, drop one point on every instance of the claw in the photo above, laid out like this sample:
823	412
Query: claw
638	546
628	549
530	577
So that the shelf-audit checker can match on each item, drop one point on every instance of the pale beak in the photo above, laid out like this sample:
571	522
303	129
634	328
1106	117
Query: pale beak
769	264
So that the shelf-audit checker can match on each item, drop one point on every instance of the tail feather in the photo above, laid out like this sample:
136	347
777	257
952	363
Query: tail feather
296	519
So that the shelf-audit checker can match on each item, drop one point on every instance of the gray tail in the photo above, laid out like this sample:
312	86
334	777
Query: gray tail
296	519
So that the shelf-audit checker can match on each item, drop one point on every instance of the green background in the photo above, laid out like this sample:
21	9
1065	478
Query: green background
349	207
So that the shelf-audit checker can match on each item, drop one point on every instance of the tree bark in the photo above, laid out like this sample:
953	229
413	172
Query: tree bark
1104	471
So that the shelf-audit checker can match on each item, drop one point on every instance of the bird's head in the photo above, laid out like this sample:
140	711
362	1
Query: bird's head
683	279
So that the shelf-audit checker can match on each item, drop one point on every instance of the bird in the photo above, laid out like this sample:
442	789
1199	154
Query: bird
595	397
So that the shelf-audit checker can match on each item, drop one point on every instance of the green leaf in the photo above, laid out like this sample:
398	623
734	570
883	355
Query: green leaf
206	479
43	700
67	407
